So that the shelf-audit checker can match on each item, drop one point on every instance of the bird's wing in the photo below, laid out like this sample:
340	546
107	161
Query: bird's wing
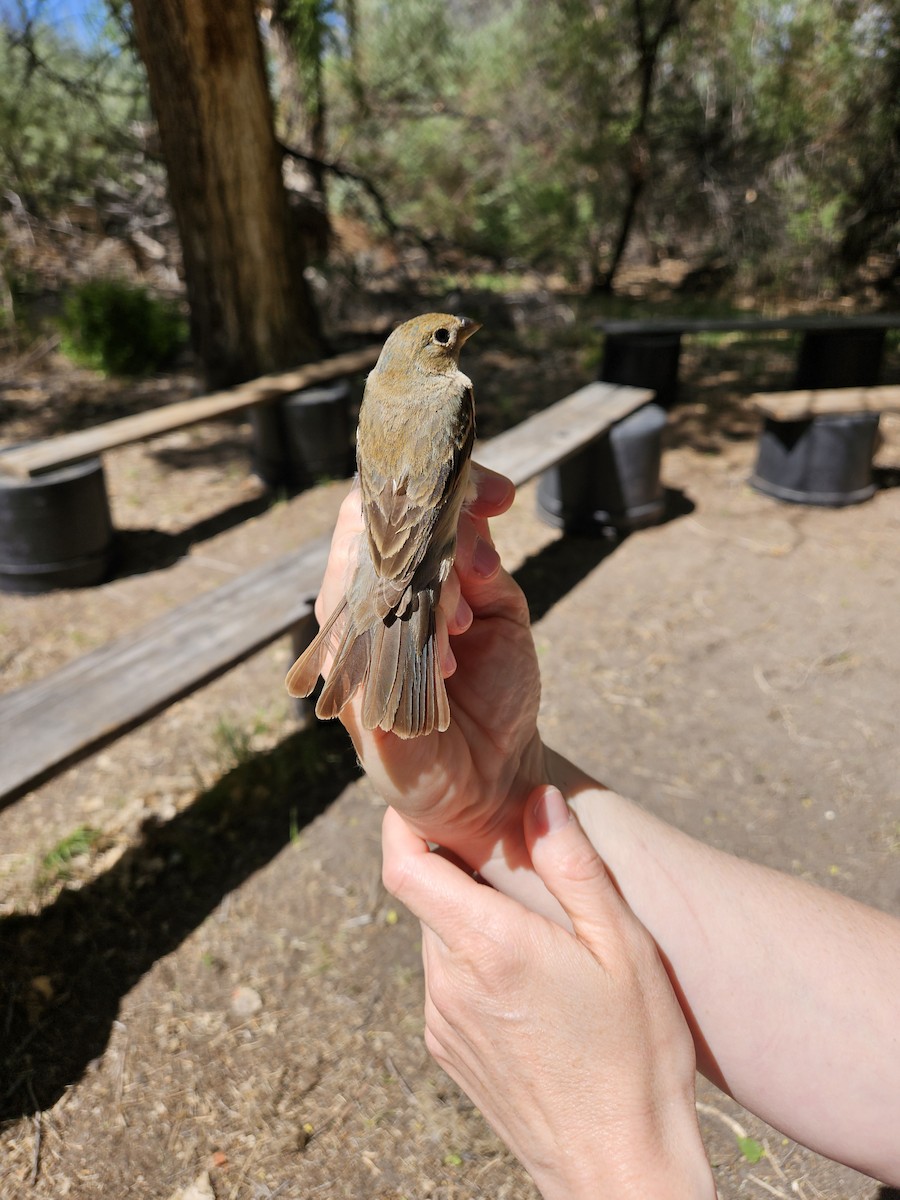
403	514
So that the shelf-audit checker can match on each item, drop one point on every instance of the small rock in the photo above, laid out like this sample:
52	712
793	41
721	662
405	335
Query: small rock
200	1189
245	1001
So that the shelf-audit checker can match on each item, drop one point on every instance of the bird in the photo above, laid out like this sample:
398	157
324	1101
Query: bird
413	452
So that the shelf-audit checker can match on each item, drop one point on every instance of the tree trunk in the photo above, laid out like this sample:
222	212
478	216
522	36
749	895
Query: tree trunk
251	311
648	45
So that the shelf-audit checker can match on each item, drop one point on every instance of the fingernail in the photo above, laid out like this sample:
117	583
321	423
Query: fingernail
464	616
485	559
551	811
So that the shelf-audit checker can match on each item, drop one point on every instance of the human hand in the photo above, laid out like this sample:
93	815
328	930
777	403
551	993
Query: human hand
572	1044
463	788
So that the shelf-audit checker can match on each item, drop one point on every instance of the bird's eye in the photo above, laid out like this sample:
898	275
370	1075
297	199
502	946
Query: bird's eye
442	336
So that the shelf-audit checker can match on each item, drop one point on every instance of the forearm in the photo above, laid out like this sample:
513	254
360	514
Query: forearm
791	991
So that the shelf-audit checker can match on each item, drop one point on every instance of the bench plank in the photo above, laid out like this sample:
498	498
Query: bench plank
56	452
794	406
554	434
88	703
92	700
621	326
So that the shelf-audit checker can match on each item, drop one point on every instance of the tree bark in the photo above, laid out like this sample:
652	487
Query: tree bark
648	44
251	311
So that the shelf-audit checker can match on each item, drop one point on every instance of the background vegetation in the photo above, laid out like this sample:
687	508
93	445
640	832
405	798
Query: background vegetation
755	142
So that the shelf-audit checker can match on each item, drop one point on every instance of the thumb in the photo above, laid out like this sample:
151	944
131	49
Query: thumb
571	869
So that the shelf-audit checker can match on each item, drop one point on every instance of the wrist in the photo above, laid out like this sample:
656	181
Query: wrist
505	862
669	1163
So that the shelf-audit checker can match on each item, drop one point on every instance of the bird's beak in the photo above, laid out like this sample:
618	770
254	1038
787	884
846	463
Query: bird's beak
466	328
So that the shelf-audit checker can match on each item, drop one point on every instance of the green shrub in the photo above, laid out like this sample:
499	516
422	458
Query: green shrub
121	329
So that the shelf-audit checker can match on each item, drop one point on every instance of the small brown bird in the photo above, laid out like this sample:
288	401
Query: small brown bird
415	436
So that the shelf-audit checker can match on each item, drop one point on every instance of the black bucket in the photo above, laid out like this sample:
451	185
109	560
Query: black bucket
270	456
305	437
55	529
614	483
647	360
840	358
824	460
319	437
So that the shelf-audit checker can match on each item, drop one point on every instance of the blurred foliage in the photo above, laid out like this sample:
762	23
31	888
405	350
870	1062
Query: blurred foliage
765	134
115	327
68	110
772	139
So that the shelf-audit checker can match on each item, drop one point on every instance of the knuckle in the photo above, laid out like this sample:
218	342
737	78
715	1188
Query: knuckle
395	876
496	958
581	863
436	1046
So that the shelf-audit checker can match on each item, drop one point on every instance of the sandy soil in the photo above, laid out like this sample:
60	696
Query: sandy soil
209	988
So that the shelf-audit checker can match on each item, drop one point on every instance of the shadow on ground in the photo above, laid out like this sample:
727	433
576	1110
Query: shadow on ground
67	968
139	551
546	577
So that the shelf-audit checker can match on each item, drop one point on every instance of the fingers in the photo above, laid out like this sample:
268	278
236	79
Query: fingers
495	493
486	587
454	606
445	651
572	870
342	555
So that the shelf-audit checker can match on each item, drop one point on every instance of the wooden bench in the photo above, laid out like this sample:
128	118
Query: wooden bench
812	402
836	351
39	457
56	527
816	446
59	720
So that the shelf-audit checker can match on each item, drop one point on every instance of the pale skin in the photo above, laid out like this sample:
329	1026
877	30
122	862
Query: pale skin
789	992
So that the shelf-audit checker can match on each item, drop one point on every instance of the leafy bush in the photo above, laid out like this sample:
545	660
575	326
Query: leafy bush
121	329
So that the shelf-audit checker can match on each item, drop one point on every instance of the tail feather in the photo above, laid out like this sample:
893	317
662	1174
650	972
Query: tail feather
348	672
395	661
304	674
417	702
385	675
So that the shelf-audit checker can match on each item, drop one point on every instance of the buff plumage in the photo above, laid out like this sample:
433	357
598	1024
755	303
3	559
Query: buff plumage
414	442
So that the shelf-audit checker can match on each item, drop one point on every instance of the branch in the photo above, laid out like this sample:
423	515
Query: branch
381	205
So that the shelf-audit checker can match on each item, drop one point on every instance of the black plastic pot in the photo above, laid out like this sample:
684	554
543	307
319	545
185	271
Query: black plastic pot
840	358
614	483
55	530
824	460
317	422
270	455
647	360
305	437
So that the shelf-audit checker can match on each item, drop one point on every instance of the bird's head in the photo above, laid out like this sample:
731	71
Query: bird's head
430	343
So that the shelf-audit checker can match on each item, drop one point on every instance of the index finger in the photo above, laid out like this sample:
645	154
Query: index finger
342	555
495	493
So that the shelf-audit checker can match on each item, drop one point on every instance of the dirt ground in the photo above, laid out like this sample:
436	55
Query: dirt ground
206	991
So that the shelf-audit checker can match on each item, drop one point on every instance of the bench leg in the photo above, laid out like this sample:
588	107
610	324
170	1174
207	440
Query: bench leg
840	358
612	486
304	437
644	360
825	460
